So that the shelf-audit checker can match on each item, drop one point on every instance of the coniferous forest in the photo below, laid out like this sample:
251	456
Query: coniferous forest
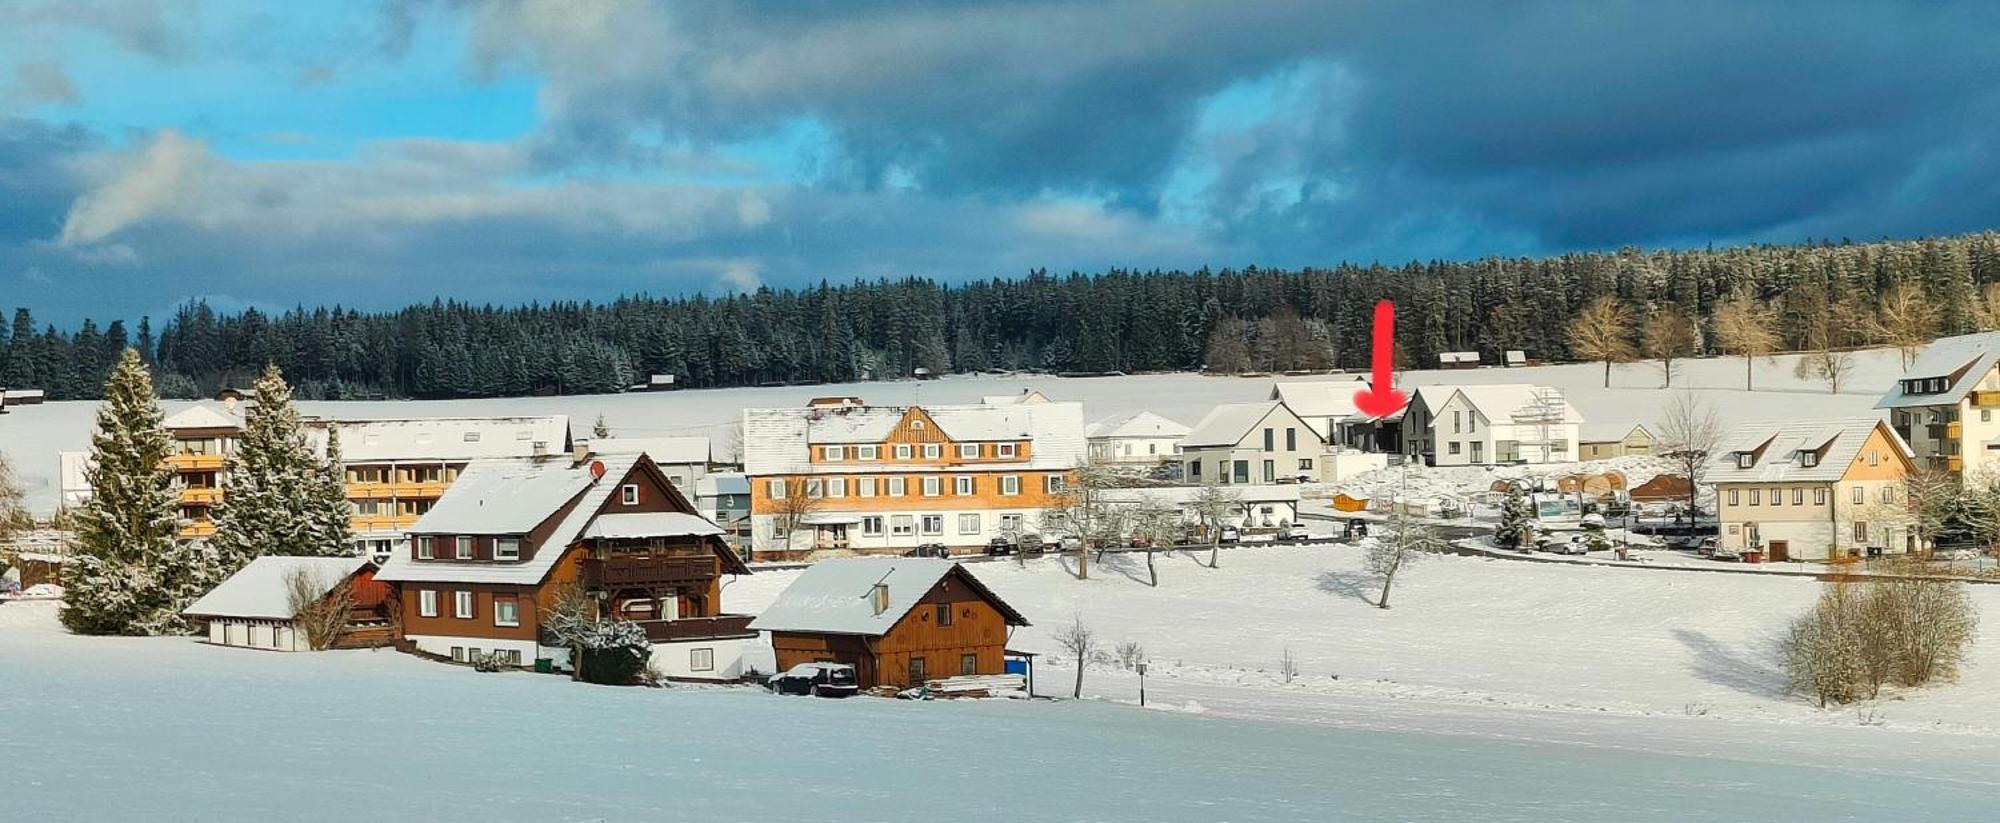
1228	320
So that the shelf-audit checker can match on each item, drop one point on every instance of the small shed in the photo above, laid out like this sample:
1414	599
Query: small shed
23	397
1458	360
253	608
1516	358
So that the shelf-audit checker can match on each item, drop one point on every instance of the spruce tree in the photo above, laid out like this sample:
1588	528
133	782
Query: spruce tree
600	430
279	498
1516	525
125	539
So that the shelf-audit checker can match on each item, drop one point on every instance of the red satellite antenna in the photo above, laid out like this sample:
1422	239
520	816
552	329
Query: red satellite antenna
596	469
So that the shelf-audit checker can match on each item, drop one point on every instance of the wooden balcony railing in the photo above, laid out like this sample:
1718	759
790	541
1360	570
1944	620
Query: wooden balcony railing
195	462
699	628
405	491
653	571
1954	464
1986	399
1952	430
370	491
201	497
198	528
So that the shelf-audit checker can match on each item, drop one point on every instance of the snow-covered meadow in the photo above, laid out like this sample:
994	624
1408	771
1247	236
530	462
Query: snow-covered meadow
31	436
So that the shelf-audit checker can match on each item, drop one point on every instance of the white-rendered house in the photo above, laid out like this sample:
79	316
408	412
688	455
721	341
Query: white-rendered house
1259	506
684	459
1328	406
1241	443
1136	437
1943	405
253	608
1491	424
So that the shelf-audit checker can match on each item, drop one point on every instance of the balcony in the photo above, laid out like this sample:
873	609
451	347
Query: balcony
196	462
718	627
198	528
1986	399
1954	464
646	572
200	497
382	522
1953	430
418	491
370	491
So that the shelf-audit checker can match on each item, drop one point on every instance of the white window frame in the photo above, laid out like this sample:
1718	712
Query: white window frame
836	487
426	547
463	604
898	487
464	551
1860	495
864	486
1010	485
933	524
498	602
971	518
903	451
902	525
871	525
427	603
506	548
815	487
701	659
933	451
933	486
831	453
867	452
962	485
1004	450
1053	483
968	451
628	494
775	488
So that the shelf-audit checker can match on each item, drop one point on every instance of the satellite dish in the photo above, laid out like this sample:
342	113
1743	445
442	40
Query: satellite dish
596	469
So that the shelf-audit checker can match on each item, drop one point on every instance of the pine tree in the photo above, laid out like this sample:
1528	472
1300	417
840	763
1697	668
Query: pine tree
126	544
1516	525
279	498
599	430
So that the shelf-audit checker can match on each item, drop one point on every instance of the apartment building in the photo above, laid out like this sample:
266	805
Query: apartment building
1944	404
1813	489
890	477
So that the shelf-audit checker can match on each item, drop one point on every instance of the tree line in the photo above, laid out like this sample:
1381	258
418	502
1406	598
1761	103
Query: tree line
1807	297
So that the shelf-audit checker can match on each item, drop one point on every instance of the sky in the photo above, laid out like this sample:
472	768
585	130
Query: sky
380	154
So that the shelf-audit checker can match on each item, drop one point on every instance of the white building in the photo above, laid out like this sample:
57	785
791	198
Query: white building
1136	437
1259	506
253	608
1328	406
1491	424
684	459
1241	443
1944	403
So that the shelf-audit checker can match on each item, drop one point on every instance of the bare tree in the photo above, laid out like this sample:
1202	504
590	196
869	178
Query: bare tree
1668	336
802	498
1214	504
1154	523
1689	433
1406	542
1908	629
13	511
1829	365
1603	331
1907	320
1822	652
1079	510
565	620
1080	642
1747	328
1228	350
1933	498
1931	623
319	606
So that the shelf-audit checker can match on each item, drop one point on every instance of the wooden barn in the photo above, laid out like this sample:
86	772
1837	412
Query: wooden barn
254	608
898	621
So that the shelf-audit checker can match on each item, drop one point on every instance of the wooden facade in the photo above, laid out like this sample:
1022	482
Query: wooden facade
957	628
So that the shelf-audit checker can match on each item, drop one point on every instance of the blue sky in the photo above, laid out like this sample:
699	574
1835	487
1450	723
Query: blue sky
377	154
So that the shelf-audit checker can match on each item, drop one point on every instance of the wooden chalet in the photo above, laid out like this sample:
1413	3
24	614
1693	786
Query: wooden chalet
254	608
898	621
482	566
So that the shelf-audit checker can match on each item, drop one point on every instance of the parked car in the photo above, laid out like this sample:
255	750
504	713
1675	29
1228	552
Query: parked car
1231	534
1288	532
1068	543
816	679
1031	544
1000	546
929	550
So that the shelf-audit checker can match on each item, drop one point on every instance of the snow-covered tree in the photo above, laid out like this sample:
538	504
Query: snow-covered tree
599	429
13	513
1407	541
120	581
1214	504
279	497
1517	523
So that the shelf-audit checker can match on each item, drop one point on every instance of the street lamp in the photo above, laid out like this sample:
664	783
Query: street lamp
1142	684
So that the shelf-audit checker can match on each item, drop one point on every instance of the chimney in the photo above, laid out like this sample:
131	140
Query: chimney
580	451
879	597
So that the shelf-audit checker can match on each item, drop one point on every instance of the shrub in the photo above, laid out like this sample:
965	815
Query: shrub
1908	630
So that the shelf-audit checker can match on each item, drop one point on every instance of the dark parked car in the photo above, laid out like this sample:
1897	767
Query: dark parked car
1031	544
816	679
929	550
1000	546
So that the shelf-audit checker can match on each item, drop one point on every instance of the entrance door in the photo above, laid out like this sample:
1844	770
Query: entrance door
1781	550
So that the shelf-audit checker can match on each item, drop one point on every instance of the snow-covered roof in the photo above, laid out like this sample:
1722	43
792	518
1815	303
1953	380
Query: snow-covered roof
1780	449
1961	360
1136	424
1025	396
507	496
1178	496
721	483
663	450
1228	424
1502	403
836	596
205	416
632	525
778	441
446	438
1320	398
260	590
1610	432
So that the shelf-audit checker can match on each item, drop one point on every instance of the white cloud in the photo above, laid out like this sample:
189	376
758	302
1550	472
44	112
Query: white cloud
163	175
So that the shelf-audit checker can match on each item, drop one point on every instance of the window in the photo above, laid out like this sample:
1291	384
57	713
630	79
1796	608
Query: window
425	548
815	487
933	451
1756	497
902	525
1010	522
867	452
1819	497
629	494
427	603
1809	459
1053	484
506	611
917	424
1860	531
1194	470
1777	497
458	654
944	614
1732	497
1985	415
506	548
968	451
1798	497
832	452
836	487
961	486
917	671
461	605
1010	484
1270	440
1888	494
934	524
1745	460
872	525
968	524
897	486
464	547
932	485
864	486
775	489
1291	439
1874	457
1860	495
1305	464
1004	450
1452	447
1456	425
1270	471
472	437
701	660
902	451
1241	471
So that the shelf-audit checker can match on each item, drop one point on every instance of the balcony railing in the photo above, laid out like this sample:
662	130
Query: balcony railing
1954	464
198	528
699	628
1952	430
419	490
652	571
382	522
1986	399
195	462
201	497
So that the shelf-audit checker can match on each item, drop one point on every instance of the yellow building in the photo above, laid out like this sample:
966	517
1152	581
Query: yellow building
1813	489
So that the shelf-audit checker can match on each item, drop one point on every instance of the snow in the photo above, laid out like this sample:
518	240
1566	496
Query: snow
260	590
630	525
32	436
836	595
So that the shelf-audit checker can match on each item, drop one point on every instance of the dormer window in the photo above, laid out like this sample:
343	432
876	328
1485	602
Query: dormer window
1006	450
867	452
833	452
507	548
1808	459
1746	460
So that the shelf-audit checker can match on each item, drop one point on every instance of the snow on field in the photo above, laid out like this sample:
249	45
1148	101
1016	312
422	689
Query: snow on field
170	729
32	435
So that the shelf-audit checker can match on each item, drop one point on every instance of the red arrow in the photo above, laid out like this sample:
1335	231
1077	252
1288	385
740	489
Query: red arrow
1381	399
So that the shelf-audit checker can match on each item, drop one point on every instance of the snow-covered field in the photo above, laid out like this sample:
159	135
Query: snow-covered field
31	436
177	730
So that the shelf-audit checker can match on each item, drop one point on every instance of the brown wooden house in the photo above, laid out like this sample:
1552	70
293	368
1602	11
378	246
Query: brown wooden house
897	621
483	565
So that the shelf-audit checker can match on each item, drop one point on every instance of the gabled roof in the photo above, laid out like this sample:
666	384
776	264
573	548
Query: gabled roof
204	416
1502	403
1229	423
663	450
779	441
446	438
1963	361
721	483
1778	447
261	589
649	524
1136	424
1026	396
835	596
1321	398
1611	432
